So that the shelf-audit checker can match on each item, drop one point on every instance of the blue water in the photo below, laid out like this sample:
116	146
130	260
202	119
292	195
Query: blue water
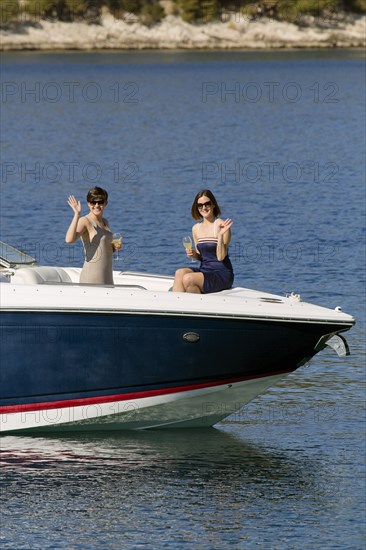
279	138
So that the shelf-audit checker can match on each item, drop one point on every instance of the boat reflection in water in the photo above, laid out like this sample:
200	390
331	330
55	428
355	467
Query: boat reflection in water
136	356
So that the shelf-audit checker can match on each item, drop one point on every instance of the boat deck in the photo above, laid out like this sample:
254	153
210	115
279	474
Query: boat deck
57	289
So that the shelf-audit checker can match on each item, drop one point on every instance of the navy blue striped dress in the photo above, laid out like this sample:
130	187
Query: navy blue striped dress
218	275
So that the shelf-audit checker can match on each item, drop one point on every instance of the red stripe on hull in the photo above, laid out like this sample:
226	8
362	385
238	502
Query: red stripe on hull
28	407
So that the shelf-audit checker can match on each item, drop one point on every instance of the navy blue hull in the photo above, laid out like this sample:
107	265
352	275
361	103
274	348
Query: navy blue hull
49	357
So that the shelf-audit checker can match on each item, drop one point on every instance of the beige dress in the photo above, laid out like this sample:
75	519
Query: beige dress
98	264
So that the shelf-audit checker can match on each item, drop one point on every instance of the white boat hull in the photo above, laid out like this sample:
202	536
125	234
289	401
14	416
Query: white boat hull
187	409
136	356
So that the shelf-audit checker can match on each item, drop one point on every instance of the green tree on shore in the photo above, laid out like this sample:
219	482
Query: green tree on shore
9	10
193	11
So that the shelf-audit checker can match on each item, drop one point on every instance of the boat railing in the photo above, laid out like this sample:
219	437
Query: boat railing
145	275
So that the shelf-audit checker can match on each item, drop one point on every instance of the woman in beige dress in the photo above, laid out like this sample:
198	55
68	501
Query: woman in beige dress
96	236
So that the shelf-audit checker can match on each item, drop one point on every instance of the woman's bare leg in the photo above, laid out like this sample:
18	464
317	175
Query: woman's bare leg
193	282
178	279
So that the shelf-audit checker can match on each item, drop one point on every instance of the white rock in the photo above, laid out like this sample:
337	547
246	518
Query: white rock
232	33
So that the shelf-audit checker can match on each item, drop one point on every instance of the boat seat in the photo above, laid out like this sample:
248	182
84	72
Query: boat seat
40	275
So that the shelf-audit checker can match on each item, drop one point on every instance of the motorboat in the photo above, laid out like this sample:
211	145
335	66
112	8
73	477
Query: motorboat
135	355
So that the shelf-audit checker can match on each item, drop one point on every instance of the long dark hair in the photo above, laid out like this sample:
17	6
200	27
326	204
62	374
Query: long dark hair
205	193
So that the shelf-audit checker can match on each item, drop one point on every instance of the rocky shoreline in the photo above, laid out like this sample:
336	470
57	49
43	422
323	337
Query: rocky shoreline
346	31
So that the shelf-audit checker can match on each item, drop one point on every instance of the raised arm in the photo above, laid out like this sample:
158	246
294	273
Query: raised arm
77	225
223	238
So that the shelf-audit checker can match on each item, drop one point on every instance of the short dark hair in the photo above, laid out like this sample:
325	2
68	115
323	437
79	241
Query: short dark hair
205	193
96	193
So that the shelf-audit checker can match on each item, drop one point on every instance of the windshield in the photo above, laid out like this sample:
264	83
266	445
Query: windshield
11	257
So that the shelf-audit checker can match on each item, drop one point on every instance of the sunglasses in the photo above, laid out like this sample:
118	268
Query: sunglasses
201	205
101	202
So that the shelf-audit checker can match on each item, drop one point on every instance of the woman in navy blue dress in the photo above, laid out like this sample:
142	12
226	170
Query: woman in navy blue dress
211	238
